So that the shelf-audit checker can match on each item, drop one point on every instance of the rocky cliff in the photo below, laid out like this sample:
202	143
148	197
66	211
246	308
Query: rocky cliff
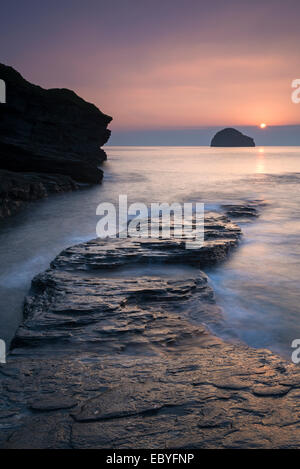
49	131
231	138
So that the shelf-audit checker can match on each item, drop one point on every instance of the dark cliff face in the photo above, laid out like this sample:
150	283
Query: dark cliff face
123	361
231	138
50	131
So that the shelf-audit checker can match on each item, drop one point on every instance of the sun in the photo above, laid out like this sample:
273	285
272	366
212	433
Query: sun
263	126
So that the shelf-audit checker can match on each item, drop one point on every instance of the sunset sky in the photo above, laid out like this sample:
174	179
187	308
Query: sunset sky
162	63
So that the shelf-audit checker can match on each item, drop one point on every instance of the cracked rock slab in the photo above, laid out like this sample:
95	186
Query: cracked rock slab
109	356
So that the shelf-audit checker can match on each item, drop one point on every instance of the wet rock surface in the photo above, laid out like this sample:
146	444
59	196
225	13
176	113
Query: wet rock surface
110	356
244	209
17	189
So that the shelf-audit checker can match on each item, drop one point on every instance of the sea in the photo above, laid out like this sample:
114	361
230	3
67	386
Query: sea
257	288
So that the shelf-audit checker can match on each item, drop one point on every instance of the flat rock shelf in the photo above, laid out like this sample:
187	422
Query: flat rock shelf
109	357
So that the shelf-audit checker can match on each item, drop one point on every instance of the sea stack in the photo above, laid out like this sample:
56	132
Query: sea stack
231	138
50	131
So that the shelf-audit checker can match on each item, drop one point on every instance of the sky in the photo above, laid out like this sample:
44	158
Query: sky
170	66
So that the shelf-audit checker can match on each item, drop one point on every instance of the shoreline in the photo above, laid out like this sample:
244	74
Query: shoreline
18	189
91	332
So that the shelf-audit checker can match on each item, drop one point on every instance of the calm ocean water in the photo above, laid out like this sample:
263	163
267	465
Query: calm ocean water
258	287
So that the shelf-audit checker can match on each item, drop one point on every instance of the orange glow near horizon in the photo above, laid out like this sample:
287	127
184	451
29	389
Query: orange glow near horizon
180	68
196	98
170	91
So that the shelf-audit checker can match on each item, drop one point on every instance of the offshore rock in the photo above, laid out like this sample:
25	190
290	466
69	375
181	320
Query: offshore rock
231	138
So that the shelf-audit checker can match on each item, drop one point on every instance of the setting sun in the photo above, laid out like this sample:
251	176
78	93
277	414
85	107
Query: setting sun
263	126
